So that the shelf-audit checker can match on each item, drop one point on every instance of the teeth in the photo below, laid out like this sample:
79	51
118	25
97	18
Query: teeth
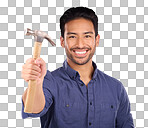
80	52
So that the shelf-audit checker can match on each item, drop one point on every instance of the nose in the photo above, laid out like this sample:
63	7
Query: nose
80	42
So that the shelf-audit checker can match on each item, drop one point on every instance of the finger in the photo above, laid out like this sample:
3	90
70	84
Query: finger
42	64
40	61
28	72
30	60
32	67
36	68
31	72
30	77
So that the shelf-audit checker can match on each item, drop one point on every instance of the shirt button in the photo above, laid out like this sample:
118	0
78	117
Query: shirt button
82	84
89	123
90	103
112	106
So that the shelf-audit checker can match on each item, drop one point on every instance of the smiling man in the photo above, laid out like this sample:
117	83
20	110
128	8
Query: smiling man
80	43
77	95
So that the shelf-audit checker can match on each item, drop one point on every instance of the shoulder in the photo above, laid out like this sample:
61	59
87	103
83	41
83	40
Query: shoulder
110	81
55	74
108	78
51	79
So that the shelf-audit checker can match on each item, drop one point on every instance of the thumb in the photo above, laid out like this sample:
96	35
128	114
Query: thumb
41	63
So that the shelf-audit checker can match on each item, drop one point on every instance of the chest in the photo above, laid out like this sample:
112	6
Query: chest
85	91
78	103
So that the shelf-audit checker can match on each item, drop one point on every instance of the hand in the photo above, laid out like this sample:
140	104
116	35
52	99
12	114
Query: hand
34	70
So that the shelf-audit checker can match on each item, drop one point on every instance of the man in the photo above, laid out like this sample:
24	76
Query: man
77	95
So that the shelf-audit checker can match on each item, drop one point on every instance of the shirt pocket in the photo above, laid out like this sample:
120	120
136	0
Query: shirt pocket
69	112
108	114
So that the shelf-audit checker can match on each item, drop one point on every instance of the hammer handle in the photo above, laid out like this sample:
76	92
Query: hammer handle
32	83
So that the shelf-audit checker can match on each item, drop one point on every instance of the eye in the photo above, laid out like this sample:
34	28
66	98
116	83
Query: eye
87	36
72	37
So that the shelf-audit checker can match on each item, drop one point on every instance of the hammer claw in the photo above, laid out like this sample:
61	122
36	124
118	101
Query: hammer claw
51	41
39	35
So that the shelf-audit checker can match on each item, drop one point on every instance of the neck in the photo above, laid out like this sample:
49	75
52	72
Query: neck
85	71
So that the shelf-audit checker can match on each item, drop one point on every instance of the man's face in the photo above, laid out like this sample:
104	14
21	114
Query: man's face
79	41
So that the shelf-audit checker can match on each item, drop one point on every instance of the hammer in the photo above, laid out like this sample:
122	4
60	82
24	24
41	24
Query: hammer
39	36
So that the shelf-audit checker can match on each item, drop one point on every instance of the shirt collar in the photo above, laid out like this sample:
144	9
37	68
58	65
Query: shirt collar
73	74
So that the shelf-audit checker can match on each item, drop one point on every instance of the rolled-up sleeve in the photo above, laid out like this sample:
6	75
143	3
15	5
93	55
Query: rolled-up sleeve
48	81
124	117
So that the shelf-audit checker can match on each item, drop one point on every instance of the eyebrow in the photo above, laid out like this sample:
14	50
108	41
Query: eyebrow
88	33
69	33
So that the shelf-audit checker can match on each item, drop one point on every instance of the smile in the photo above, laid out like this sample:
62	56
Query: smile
80	53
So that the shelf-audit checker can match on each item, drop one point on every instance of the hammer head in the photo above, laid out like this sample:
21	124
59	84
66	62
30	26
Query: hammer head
39	35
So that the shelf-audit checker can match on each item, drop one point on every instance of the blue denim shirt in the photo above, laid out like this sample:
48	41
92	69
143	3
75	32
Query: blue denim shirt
70	104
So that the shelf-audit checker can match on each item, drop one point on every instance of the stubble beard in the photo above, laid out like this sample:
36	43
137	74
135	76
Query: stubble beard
70	56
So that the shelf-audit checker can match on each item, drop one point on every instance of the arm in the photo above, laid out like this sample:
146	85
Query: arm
35	70
124	117
39	102
47	87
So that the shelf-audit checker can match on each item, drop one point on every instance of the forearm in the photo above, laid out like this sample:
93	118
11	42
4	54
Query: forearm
39	100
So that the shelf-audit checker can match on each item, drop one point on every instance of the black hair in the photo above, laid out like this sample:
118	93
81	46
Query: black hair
78	12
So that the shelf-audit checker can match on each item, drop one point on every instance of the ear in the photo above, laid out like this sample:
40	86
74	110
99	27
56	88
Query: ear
62	42
97	40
